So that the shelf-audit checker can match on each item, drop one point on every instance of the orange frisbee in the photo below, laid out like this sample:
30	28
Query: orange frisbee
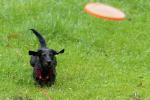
107	12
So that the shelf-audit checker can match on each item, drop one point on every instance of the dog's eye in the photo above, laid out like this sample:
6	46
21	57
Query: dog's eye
43	54
50	55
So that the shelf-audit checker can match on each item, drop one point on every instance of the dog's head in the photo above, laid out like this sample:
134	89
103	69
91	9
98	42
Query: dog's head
46	56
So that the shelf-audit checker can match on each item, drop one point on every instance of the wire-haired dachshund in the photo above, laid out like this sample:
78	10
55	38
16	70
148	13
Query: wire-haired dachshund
44	62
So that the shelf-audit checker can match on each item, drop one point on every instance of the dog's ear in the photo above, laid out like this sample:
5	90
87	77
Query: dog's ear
56	53
61	51
33	53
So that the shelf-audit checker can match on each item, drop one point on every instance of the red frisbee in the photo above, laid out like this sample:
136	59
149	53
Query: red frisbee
107	12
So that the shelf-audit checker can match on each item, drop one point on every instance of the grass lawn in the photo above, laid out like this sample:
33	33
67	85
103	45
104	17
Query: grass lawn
104	60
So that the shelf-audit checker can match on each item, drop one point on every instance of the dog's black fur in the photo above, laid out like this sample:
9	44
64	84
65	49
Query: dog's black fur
44	62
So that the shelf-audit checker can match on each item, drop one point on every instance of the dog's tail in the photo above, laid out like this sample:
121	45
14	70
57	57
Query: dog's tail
39	36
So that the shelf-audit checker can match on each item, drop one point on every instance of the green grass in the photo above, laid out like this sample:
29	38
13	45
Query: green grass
104	60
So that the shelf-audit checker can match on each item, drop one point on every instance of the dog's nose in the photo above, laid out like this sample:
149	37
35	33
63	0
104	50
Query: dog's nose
49	61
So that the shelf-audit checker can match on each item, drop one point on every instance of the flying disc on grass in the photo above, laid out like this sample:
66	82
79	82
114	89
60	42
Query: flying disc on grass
107	12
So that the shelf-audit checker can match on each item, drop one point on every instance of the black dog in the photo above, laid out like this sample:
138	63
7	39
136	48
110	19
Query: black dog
44	62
